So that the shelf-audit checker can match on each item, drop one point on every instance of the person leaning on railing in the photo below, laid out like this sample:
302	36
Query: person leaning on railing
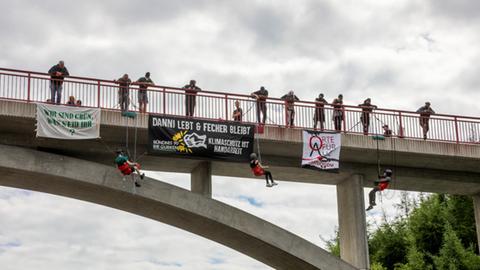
367	108
123	92
191	90
319	115
290	99
425	112
143	84
57	73
338	112
261	97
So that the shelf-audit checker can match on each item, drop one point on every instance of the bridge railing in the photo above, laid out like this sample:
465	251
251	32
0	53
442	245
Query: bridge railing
30	86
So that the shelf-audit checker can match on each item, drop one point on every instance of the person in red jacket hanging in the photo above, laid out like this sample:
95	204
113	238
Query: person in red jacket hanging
259	170
126	167
380	185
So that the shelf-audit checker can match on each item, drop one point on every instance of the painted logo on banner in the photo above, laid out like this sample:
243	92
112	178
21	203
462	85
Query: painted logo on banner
210	139
321	150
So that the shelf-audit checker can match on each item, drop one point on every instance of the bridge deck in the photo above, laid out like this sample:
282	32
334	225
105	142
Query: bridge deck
427	166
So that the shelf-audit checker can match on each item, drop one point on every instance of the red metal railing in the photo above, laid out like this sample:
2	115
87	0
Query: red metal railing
31	86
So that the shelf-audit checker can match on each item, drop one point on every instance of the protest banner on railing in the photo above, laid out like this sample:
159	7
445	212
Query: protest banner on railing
67	122
321	150
191	137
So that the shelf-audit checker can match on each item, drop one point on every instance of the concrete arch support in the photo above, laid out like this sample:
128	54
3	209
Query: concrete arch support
190	211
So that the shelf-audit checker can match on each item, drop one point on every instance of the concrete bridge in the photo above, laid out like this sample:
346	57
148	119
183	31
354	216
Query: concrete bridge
445	163
420	166
101	184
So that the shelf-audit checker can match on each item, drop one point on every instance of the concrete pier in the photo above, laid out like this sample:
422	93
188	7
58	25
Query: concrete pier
201	179
352	222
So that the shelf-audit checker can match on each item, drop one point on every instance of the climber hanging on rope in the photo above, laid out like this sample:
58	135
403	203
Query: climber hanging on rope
380	185
259	170
127	167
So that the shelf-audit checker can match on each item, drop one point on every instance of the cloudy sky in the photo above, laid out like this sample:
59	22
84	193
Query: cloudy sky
399	53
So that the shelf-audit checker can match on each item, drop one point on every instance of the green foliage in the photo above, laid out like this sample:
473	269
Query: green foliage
435	232
416	261
426	225
453	255
377	266
461	216
389	245
333	245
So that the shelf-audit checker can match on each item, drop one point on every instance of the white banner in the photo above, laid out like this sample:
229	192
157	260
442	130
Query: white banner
321	151
67	122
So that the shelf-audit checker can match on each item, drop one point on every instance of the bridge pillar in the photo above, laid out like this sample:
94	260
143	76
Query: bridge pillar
476	207
352	223
201	179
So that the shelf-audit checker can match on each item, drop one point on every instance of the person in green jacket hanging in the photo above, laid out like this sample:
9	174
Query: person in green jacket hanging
126	167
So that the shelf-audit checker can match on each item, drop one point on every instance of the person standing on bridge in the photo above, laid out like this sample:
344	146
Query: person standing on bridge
319	115
380	185
143	84
261	97
367	108
127	167
290	99
57	74
338	112
425	112
237	113
259	170
191	90
124	92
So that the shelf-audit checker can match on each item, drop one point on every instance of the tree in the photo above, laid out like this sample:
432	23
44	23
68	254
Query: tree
388	245
453	255
462	219
426	226
333	244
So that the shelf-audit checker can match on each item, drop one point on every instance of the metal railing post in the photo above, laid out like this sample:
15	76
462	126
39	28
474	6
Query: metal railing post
98	94
344	115
456	129
226	107
28	87
164	100
400	128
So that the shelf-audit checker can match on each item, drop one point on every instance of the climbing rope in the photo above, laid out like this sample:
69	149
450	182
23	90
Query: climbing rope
135	140
258	150
378	158
391	192
249	109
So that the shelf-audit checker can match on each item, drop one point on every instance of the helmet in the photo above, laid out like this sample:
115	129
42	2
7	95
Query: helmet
253	156
119	151
388	172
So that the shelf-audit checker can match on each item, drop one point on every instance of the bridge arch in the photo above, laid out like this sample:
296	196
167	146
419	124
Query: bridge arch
219	222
